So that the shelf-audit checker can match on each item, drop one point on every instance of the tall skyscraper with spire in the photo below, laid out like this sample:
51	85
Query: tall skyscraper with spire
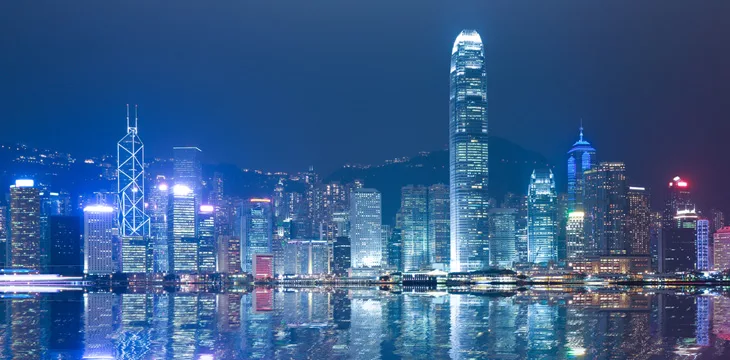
581	158
468	154
130	182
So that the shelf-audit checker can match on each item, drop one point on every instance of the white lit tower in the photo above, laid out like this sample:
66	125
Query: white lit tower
130	182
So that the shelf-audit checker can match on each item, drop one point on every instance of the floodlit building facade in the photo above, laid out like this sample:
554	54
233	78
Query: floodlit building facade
721	249
581	158
182	240
542	217
257	230
365	228
502	237
99	258
468	154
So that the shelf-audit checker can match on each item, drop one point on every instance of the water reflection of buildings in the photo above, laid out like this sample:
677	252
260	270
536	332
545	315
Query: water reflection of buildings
325	323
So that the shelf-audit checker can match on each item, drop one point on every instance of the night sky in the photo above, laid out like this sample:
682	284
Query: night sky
280	85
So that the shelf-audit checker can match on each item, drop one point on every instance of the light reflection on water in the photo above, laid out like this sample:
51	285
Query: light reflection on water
340	323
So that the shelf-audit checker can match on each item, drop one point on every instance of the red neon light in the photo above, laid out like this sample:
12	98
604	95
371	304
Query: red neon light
682	183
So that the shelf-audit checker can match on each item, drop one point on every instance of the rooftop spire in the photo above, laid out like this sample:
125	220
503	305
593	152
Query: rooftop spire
135	119
127	117
581	129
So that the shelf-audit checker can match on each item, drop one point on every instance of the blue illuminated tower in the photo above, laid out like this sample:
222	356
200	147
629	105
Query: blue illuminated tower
130	182
581	158
468	154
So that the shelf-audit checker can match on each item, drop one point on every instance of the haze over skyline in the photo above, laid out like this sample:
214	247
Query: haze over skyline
285	86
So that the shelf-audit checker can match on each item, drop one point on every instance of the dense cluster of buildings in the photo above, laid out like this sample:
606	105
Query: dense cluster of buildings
186	224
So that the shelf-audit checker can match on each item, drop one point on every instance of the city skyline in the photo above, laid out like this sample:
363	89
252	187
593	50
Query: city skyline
292	182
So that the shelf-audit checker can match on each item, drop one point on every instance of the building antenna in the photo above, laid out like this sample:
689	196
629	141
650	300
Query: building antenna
135	118
581	129
127	117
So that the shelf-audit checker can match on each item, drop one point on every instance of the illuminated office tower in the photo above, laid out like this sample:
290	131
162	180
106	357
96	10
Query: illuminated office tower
386	232
182	240
256	230
721	249
581	158
98	237
678	250
605	206
187	169
206	239
52	204
717	220
541	217
438	224
130	182
25	227
502	237
229	254
678	198
3	235
468	154
306	257
157	212
519	202
341	256
365	228
65	246
414	227
655	237
575	244
136	256
262	266
702	242
638	220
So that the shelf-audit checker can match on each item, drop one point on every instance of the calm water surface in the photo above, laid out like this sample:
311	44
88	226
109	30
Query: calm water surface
337	323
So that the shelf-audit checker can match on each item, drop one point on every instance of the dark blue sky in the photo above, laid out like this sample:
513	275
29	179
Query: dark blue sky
284	84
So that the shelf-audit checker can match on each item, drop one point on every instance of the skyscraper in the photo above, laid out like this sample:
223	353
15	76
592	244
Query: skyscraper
575	244
98	233
468	154
678	250
414	227
638	220
341	256
187	169
702	242
65	246
3	235
721	249
519	202
25	226
182	240
605	210
438	224
541	217
136	256
581	158
130	182
157	211
257	227
206	239
502	237
678	198
718	220
52	204
365	228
